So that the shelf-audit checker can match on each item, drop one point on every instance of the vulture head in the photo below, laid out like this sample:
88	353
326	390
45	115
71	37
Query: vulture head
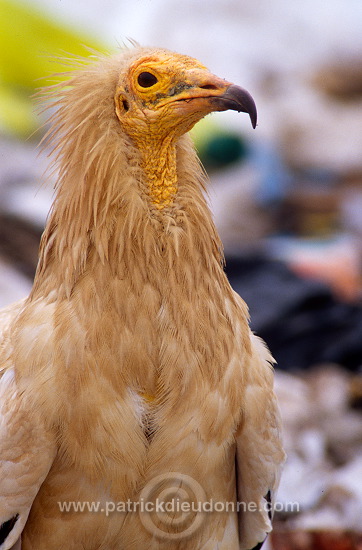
163	94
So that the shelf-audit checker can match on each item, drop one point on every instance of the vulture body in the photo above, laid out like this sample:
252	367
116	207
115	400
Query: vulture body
130	372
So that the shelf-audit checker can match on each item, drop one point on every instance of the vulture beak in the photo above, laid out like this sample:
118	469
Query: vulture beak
236	99
212	93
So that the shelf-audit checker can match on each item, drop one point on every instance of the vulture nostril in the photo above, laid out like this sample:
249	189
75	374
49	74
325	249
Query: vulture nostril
209	87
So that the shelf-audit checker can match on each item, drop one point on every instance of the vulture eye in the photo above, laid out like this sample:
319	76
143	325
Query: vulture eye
146	80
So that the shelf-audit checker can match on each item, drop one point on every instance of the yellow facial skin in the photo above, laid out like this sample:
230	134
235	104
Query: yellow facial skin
160	99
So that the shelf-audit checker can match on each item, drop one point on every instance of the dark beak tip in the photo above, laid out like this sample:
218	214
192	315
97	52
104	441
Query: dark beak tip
241	101
253	117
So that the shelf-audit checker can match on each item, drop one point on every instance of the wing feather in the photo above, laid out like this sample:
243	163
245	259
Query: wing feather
26	454
259	454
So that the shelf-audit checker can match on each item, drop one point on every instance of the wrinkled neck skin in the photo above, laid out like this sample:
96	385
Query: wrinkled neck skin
159	165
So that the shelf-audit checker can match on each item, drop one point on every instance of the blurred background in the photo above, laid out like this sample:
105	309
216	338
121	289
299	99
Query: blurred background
287	200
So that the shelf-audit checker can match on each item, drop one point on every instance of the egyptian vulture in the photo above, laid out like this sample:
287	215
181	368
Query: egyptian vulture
129	374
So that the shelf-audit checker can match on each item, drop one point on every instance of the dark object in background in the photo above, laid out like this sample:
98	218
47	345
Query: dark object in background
222	150
217	148
300	319
19	243
315	539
